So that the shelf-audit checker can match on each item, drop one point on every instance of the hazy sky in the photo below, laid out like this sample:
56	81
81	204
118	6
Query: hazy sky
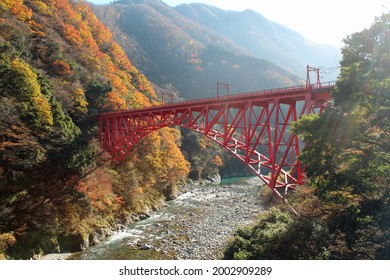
325	21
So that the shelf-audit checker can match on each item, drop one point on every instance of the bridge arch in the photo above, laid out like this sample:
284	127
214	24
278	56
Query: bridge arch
254	127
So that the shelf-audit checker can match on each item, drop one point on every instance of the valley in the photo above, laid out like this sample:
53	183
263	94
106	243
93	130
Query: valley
62	62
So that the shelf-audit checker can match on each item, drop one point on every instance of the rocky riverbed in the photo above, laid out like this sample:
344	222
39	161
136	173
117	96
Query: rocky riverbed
196	225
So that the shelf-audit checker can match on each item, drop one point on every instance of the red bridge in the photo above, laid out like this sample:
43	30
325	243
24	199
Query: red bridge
254	126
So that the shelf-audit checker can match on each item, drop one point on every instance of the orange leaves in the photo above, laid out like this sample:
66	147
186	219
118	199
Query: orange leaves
60	67
36	28
92	46
119	56
114	102
71	34
42	105
69	54
17	8
117	83
101	34
100	53
217	161
97	186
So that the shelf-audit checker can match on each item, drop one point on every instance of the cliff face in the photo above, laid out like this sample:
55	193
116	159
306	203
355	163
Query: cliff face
58	62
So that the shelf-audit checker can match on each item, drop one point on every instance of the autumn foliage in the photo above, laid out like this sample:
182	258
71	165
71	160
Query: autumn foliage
58	64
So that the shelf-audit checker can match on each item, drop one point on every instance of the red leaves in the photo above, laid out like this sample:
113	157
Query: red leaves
60	68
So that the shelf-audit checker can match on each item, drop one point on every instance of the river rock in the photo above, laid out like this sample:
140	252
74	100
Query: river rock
145	247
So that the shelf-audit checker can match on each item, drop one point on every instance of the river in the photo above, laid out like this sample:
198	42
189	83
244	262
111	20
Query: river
196	225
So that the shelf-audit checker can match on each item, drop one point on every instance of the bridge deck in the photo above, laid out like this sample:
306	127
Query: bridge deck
284	94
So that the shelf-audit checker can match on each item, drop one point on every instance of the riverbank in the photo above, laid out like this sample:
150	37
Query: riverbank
229	207
196	225
52	257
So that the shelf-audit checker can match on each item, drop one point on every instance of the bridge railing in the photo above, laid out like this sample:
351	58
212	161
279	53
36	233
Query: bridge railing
244	95
276	91
265	92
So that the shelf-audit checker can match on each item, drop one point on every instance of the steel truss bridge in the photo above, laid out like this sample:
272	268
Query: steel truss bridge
255	127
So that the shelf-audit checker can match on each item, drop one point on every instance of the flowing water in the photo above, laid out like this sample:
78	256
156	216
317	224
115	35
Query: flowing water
196	225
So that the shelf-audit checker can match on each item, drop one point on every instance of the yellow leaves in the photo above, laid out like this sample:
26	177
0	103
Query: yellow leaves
138	190
6	240
24	69
17	8
175	166
78	98
43	107
24	14
345	195
138	100
202	144
31	90
144	85
41	8
155	165
102	34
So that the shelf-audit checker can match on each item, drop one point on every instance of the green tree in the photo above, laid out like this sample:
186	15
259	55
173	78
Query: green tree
97	91
348	151
344	206
279	235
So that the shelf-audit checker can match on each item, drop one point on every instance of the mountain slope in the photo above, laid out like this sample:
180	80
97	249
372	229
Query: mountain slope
57	188
263	38
172	49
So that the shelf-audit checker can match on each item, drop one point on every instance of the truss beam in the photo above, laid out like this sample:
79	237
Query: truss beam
255	127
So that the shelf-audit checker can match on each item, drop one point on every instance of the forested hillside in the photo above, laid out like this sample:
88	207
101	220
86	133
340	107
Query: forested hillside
344	206
183	56
58	190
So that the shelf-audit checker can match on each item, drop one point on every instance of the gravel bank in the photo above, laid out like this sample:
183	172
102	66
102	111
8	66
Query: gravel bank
195	226
204	235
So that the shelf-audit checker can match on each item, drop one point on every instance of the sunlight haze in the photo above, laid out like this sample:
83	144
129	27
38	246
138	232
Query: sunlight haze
321	22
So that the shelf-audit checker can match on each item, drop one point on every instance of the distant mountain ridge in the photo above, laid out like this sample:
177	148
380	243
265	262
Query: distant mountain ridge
263	38
181	54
